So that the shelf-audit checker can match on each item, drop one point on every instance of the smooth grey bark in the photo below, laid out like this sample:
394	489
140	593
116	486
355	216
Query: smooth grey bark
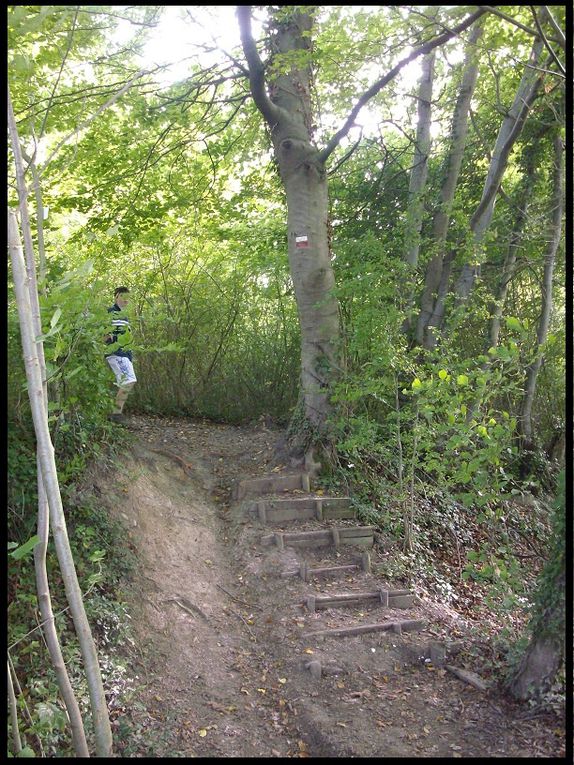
508	134
287	110
419	171
102	729
546	312
432	300
43	527
288	113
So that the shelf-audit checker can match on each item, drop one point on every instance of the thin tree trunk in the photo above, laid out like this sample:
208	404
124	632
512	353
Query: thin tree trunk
507	135
102	729
544	323
418	179
509	267
44	600
431	308
17	741
419	171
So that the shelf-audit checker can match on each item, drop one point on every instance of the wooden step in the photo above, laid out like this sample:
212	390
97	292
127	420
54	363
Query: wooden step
363	564
386	598
342	535
302	509
398	626
270	484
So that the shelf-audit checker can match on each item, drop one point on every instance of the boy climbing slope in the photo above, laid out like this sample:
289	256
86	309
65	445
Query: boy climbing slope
120	358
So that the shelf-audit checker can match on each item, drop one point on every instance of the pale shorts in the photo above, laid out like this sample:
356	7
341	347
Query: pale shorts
123	369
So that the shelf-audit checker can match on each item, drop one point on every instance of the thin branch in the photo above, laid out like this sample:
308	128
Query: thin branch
348	154
497	12
374	89
560	39
545	41
102	108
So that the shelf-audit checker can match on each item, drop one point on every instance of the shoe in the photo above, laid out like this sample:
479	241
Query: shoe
117	417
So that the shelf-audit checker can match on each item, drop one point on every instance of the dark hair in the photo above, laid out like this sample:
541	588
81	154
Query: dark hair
120	291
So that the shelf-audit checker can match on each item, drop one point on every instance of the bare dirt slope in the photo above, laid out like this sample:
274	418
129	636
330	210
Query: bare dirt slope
221	661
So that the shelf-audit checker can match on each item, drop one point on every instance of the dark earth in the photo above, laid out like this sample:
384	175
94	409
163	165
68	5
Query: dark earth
220	665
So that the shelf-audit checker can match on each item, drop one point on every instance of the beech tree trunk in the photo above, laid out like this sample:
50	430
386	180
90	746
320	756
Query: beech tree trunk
438	269
287	110
546	312
288	113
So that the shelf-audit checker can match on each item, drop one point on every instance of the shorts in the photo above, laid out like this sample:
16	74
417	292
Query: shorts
123	369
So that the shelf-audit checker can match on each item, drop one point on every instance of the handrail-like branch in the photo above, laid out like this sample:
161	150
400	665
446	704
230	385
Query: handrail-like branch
374	89
256	68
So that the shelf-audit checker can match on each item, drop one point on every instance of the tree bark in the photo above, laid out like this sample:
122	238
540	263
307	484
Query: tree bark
549	260
432	300
288	114
49	477
507	135
42	585
419	171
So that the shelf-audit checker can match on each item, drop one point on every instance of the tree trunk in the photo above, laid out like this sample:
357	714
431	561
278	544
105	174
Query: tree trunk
42	585
541	660
507	135
432	305
550	257
288	113
419	171
49	477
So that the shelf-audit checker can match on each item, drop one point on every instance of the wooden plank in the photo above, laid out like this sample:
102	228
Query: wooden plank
329	601
357	531
406	626
333	504
274	515
326	570
268	485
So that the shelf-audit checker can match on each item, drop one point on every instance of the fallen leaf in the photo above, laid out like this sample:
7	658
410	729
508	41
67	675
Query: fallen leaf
341	725
261	690
282	680
202	732
308	650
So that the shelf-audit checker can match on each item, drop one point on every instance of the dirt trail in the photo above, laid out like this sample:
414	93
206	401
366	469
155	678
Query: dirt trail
221	668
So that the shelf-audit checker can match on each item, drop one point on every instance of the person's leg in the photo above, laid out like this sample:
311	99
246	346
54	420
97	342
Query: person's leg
125	380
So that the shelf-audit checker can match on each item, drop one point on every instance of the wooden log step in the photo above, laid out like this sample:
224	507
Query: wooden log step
408	625
302	508
387	598
343	535
271	484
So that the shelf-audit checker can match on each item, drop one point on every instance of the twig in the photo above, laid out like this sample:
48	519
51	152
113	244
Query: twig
245	603
188	606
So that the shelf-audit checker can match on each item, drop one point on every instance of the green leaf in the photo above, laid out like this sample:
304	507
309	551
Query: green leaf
416	384
443	374
462	380
55	317
24	549
513	323
26	752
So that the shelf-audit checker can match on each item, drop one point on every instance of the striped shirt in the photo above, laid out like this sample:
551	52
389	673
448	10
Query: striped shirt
119	327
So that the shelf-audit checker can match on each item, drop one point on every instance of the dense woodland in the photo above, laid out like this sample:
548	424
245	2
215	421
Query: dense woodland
389	290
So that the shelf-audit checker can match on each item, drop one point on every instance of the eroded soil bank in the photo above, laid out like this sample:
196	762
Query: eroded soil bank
219	665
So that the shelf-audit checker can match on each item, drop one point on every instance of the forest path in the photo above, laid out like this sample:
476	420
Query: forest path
221	668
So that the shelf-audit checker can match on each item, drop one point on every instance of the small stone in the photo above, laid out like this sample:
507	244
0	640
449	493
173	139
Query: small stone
315	669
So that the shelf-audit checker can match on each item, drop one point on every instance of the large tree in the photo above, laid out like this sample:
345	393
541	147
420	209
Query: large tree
281	90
